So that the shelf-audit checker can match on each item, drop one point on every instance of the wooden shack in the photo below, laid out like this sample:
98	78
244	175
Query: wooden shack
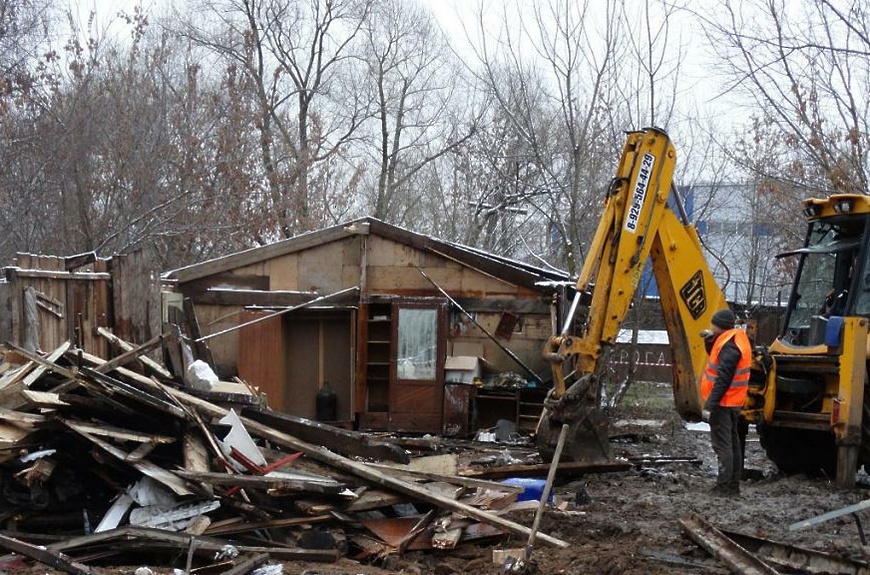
389	307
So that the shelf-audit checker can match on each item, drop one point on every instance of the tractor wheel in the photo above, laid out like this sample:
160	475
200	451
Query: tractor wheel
800	450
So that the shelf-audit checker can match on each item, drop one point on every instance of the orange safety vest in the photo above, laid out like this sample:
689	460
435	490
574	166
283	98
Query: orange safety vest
737	392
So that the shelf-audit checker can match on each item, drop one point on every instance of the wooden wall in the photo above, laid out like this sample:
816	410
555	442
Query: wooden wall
326	268
67	303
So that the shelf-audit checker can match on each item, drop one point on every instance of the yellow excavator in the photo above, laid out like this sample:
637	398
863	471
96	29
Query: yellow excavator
806	392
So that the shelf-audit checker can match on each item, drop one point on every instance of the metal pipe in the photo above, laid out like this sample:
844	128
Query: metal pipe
277	313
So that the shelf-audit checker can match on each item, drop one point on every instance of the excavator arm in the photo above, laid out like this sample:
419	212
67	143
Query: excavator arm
638	224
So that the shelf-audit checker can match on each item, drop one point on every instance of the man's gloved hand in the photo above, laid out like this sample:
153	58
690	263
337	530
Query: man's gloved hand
705	414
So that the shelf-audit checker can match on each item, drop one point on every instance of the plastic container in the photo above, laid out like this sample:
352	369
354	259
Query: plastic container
532	488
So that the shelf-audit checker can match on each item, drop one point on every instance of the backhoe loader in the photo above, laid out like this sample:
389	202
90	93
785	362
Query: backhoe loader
806	392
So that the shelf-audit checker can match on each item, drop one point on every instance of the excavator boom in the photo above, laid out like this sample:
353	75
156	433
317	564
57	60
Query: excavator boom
638	224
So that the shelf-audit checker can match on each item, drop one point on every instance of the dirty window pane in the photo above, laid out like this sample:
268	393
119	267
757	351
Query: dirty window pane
418	333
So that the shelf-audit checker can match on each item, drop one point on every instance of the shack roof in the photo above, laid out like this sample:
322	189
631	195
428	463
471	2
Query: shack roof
509	269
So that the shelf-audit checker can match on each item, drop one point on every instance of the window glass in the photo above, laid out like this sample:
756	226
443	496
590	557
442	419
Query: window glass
417	343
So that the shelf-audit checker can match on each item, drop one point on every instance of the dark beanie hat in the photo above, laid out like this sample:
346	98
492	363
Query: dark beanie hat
724	318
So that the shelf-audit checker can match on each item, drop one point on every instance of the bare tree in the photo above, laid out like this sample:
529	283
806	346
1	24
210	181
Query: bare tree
299	57
804	65
551	78
413	76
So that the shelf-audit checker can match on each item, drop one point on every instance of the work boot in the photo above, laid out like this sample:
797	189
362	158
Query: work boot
725	491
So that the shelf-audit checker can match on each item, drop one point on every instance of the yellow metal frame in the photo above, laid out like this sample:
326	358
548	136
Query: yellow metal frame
635	224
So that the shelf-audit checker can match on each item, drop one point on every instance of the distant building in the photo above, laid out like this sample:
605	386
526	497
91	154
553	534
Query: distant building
741	240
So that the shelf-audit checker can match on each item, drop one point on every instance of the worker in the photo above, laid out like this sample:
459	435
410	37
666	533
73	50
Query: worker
724	386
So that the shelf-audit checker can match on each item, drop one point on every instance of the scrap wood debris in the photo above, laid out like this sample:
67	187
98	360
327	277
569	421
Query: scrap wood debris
110	462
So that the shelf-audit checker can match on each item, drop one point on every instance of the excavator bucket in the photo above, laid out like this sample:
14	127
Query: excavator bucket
587	440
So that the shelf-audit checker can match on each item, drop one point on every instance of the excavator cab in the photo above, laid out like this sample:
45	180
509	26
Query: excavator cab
809	407
829	271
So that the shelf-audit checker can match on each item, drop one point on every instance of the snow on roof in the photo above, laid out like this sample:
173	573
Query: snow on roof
644	336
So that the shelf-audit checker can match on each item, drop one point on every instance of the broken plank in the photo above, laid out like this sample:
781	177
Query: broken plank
196	457
127	346
244	527
47	363
133	393
738	559
21	416
313	485
375	499
181	541
52	357
799	558
133	354
105	430
43	399
336	439
115	514
155	472
140	453
454	479
564	469
203	352
446	539
43	555
245	566
22	378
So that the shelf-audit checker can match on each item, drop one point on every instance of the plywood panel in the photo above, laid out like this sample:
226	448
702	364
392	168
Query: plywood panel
261	357
476	283
283	272
350	276
404	280
352	251
320	269
215	318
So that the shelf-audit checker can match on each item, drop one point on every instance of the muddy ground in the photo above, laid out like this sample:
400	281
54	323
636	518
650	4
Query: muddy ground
627	522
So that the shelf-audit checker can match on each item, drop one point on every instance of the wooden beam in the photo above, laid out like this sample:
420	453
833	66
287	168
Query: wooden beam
535	306
247	526
105	430
266	482
182	541
127	346
200	348
44	555
245	566
134	353
564	469
462	480
737	559
243	298
343	441
57	275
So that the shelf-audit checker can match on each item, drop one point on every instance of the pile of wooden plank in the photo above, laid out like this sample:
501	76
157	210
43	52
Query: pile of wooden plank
121	461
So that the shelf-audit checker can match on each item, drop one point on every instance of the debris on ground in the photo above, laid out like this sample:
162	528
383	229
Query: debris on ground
125	464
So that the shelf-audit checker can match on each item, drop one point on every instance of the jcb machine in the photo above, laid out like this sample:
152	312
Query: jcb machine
806	393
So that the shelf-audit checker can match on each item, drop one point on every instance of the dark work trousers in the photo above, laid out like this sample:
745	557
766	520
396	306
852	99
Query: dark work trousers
726	444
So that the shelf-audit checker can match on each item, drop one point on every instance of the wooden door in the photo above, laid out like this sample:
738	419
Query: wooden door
417	372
